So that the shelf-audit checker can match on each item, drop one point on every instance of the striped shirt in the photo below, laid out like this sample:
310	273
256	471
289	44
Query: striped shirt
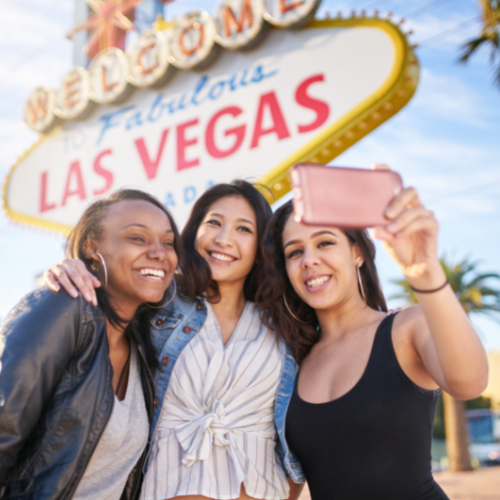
216	428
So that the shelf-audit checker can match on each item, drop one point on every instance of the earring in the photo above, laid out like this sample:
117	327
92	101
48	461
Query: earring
166	303
105	269
290	311
360	284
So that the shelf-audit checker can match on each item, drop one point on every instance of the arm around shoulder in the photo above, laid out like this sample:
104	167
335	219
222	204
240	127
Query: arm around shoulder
37	340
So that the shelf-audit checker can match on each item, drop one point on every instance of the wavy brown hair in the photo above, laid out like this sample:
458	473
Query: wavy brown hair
275	283
90	227
196	278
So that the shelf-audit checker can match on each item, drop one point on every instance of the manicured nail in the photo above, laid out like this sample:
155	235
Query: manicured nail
74	294
87	296
389	213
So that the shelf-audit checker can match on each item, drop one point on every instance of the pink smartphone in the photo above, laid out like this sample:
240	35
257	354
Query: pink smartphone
351	198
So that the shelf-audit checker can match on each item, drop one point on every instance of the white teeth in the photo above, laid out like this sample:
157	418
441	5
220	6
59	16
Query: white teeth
317	281
220	256
153	273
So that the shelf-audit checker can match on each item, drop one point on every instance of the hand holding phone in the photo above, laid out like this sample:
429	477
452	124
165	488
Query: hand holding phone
343	197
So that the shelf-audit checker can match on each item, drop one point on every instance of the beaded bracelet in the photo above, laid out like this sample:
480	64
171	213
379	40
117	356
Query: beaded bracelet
430	291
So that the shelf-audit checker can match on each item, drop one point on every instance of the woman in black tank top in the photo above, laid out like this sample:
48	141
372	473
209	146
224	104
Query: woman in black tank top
361	413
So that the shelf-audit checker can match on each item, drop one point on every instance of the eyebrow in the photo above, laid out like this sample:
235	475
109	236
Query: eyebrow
314	235
136	224
240	219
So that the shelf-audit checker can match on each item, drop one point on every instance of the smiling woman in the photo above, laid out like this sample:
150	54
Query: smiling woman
369	381
76	374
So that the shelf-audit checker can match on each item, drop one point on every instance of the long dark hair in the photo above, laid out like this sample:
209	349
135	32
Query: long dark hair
196	278
275	283
90	227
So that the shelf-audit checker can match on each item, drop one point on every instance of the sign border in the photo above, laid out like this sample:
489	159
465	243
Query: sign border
384	103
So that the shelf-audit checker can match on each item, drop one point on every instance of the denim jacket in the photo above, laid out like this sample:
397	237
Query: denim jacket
171	330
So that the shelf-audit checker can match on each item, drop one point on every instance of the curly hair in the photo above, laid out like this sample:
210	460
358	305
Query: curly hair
196	277
275	285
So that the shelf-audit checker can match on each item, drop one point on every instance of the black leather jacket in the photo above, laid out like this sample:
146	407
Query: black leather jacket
56	396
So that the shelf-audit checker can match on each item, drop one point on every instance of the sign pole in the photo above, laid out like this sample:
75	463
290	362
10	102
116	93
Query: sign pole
80	39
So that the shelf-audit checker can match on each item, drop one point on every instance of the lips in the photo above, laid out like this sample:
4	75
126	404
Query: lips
222	257
317	281
152	273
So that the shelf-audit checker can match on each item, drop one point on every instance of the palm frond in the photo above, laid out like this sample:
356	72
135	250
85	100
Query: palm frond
489	36
470	47
473	289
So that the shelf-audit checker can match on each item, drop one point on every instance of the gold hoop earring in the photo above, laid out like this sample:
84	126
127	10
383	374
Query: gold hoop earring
105	269
360	284
166	303
290	311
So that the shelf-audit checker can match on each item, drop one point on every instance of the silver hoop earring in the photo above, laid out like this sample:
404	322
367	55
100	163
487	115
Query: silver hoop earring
166	303
291	313
360	284
105	269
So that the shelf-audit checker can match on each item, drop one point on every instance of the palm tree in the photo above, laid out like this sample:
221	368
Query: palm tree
489	34
476	297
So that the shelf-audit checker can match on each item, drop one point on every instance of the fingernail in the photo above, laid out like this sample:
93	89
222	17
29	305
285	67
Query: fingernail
94	302
389	213
74	294
87	296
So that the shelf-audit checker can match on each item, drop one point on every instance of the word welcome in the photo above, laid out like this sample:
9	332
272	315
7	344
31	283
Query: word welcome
190	42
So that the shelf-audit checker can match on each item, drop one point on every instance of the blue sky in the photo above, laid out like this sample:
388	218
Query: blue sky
446	142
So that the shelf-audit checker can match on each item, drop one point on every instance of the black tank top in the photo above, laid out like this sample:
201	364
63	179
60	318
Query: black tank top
373	443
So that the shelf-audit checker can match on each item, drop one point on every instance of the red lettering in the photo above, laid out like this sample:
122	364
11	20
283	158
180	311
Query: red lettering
75	172
70	92
44	204
231	20
279	127
190	51
321	108
183	144
238	132
106	87
285	7
151	165
105	174
142	69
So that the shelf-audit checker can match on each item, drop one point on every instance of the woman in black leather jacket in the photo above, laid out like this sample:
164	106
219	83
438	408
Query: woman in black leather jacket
65	364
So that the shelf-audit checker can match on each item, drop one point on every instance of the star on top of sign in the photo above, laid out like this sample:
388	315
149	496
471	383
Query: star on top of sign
109	24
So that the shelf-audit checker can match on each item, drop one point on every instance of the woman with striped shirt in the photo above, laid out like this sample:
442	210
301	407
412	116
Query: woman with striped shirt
215	430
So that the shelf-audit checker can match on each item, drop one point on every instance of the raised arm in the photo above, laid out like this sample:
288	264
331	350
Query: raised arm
37	340
441	332
74	277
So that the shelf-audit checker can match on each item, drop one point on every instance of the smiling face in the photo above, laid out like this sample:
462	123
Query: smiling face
227	239
321	264
137	244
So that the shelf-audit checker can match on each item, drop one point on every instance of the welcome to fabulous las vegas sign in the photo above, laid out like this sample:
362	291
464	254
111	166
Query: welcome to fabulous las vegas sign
246	94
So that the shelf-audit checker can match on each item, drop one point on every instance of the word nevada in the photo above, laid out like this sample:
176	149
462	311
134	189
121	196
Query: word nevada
191	42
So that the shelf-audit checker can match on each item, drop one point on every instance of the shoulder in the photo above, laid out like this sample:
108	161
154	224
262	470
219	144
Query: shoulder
410	321
42	318
183	308
43	303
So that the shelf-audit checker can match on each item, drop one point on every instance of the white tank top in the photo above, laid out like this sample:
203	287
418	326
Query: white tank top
121	444
216	428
